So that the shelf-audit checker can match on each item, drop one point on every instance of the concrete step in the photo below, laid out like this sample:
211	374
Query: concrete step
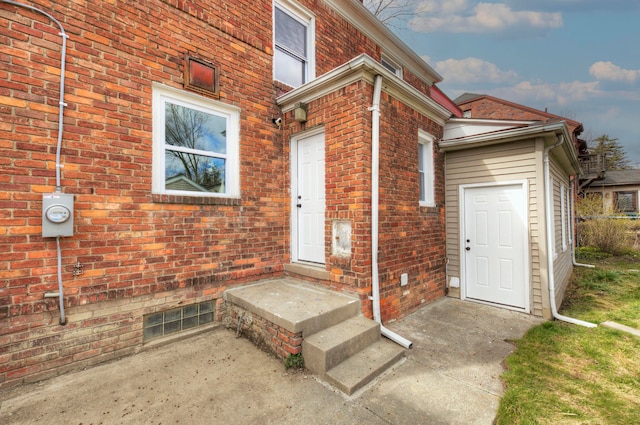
361	368
294	305
331	346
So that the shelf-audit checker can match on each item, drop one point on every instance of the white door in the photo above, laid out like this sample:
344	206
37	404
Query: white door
494	244
310	199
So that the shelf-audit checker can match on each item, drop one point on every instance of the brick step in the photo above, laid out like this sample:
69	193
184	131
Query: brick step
361	368
331	346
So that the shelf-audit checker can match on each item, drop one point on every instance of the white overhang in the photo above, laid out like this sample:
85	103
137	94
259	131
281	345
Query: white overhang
468	133
365	68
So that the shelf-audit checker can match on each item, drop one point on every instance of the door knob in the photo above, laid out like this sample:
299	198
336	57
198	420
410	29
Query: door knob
468	248
299	205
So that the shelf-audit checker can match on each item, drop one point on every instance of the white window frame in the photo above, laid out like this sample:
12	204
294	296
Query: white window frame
307	18
391	65
553	217
161	95
563	216
427	174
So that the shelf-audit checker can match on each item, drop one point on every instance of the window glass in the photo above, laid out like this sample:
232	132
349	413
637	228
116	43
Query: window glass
626	201
421	170
289	69
195	141
195	144
290	34
293	44
426	174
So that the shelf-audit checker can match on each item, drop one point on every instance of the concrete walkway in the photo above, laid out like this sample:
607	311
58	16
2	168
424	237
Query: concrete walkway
451	376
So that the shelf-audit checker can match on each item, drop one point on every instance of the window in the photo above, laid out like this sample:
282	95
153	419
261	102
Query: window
425	169
391	65
163	323
626	201
563	218
195	145
294	42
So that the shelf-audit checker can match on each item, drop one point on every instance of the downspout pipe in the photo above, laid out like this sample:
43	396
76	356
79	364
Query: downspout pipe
375	183
572	230
61	105
549	239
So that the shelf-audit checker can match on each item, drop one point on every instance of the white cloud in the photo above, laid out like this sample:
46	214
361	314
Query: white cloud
462	16
473	70
562	94
610	72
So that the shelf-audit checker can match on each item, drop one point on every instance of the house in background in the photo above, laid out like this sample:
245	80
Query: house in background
620	190
510	174
202	146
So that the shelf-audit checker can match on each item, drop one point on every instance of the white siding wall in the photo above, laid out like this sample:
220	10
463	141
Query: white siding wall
562	263
504	162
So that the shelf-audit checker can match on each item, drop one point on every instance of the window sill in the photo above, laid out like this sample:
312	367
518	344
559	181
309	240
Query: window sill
429	209
194	200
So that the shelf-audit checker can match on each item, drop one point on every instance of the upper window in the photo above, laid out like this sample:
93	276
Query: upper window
294	50
425	169
391	65
195	145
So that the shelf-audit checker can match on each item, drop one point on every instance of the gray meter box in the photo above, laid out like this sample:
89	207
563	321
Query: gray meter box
57	215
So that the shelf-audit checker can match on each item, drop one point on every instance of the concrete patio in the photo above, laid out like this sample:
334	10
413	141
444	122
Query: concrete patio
450	376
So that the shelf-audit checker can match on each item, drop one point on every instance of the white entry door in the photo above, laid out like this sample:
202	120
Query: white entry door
310	198
494	244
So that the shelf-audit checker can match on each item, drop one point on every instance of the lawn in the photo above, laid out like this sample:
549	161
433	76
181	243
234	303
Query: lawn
568	374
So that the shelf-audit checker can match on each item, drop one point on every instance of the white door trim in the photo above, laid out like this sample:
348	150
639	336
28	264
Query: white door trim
293	160
526	252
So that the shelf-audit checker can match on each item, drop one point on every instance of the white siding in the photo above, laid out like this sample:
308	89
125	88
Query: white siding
504	162
562	263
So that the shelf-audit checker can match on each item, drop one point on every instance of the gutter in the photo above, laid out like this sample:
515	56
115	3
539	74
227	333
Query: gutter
375	182
548	194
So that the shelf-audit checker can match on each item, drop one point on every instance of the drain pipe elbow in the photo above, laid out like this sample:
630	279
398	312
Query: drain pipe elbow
375	182
548	194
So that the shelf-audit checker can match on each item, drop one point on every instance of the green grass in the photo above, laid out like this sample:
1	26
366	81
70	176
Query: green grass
567	374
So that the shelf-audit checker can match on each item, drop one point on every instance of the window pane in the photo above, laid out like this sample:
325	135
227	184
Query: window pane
195	173
192	129
625	202
290	33
289	69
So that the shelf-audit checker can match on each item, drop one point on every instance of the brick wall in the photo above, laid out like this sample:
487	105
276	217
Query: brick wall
141	252
411	238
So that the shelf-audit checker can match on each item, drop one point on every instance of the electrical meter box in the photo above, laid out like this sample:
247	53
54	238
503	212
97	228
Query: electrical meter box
57	215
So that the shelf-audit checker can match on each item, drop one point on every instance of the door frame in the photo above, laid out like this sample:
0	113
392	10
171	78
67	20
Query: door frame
524	185
294	188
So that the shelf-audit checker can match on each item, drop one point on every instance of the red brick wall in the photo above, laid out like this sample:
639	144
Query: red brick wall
142	253
411	238
491	109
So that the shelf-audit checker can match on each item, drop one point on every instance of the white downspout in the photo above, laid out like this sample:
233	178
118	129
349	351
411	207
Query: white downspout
375	177
549	231
572	230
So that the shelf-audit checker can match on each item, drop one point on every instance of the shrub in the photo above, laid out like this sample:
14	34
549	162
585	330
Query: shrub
599	228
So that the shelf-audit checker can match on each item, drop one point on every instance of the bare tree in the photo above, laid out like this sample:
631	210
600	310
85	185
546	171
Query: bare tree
187	128
389	12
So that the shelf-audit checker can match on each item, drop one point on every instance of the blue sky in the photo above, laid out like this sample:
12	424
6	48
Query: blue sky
578	58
